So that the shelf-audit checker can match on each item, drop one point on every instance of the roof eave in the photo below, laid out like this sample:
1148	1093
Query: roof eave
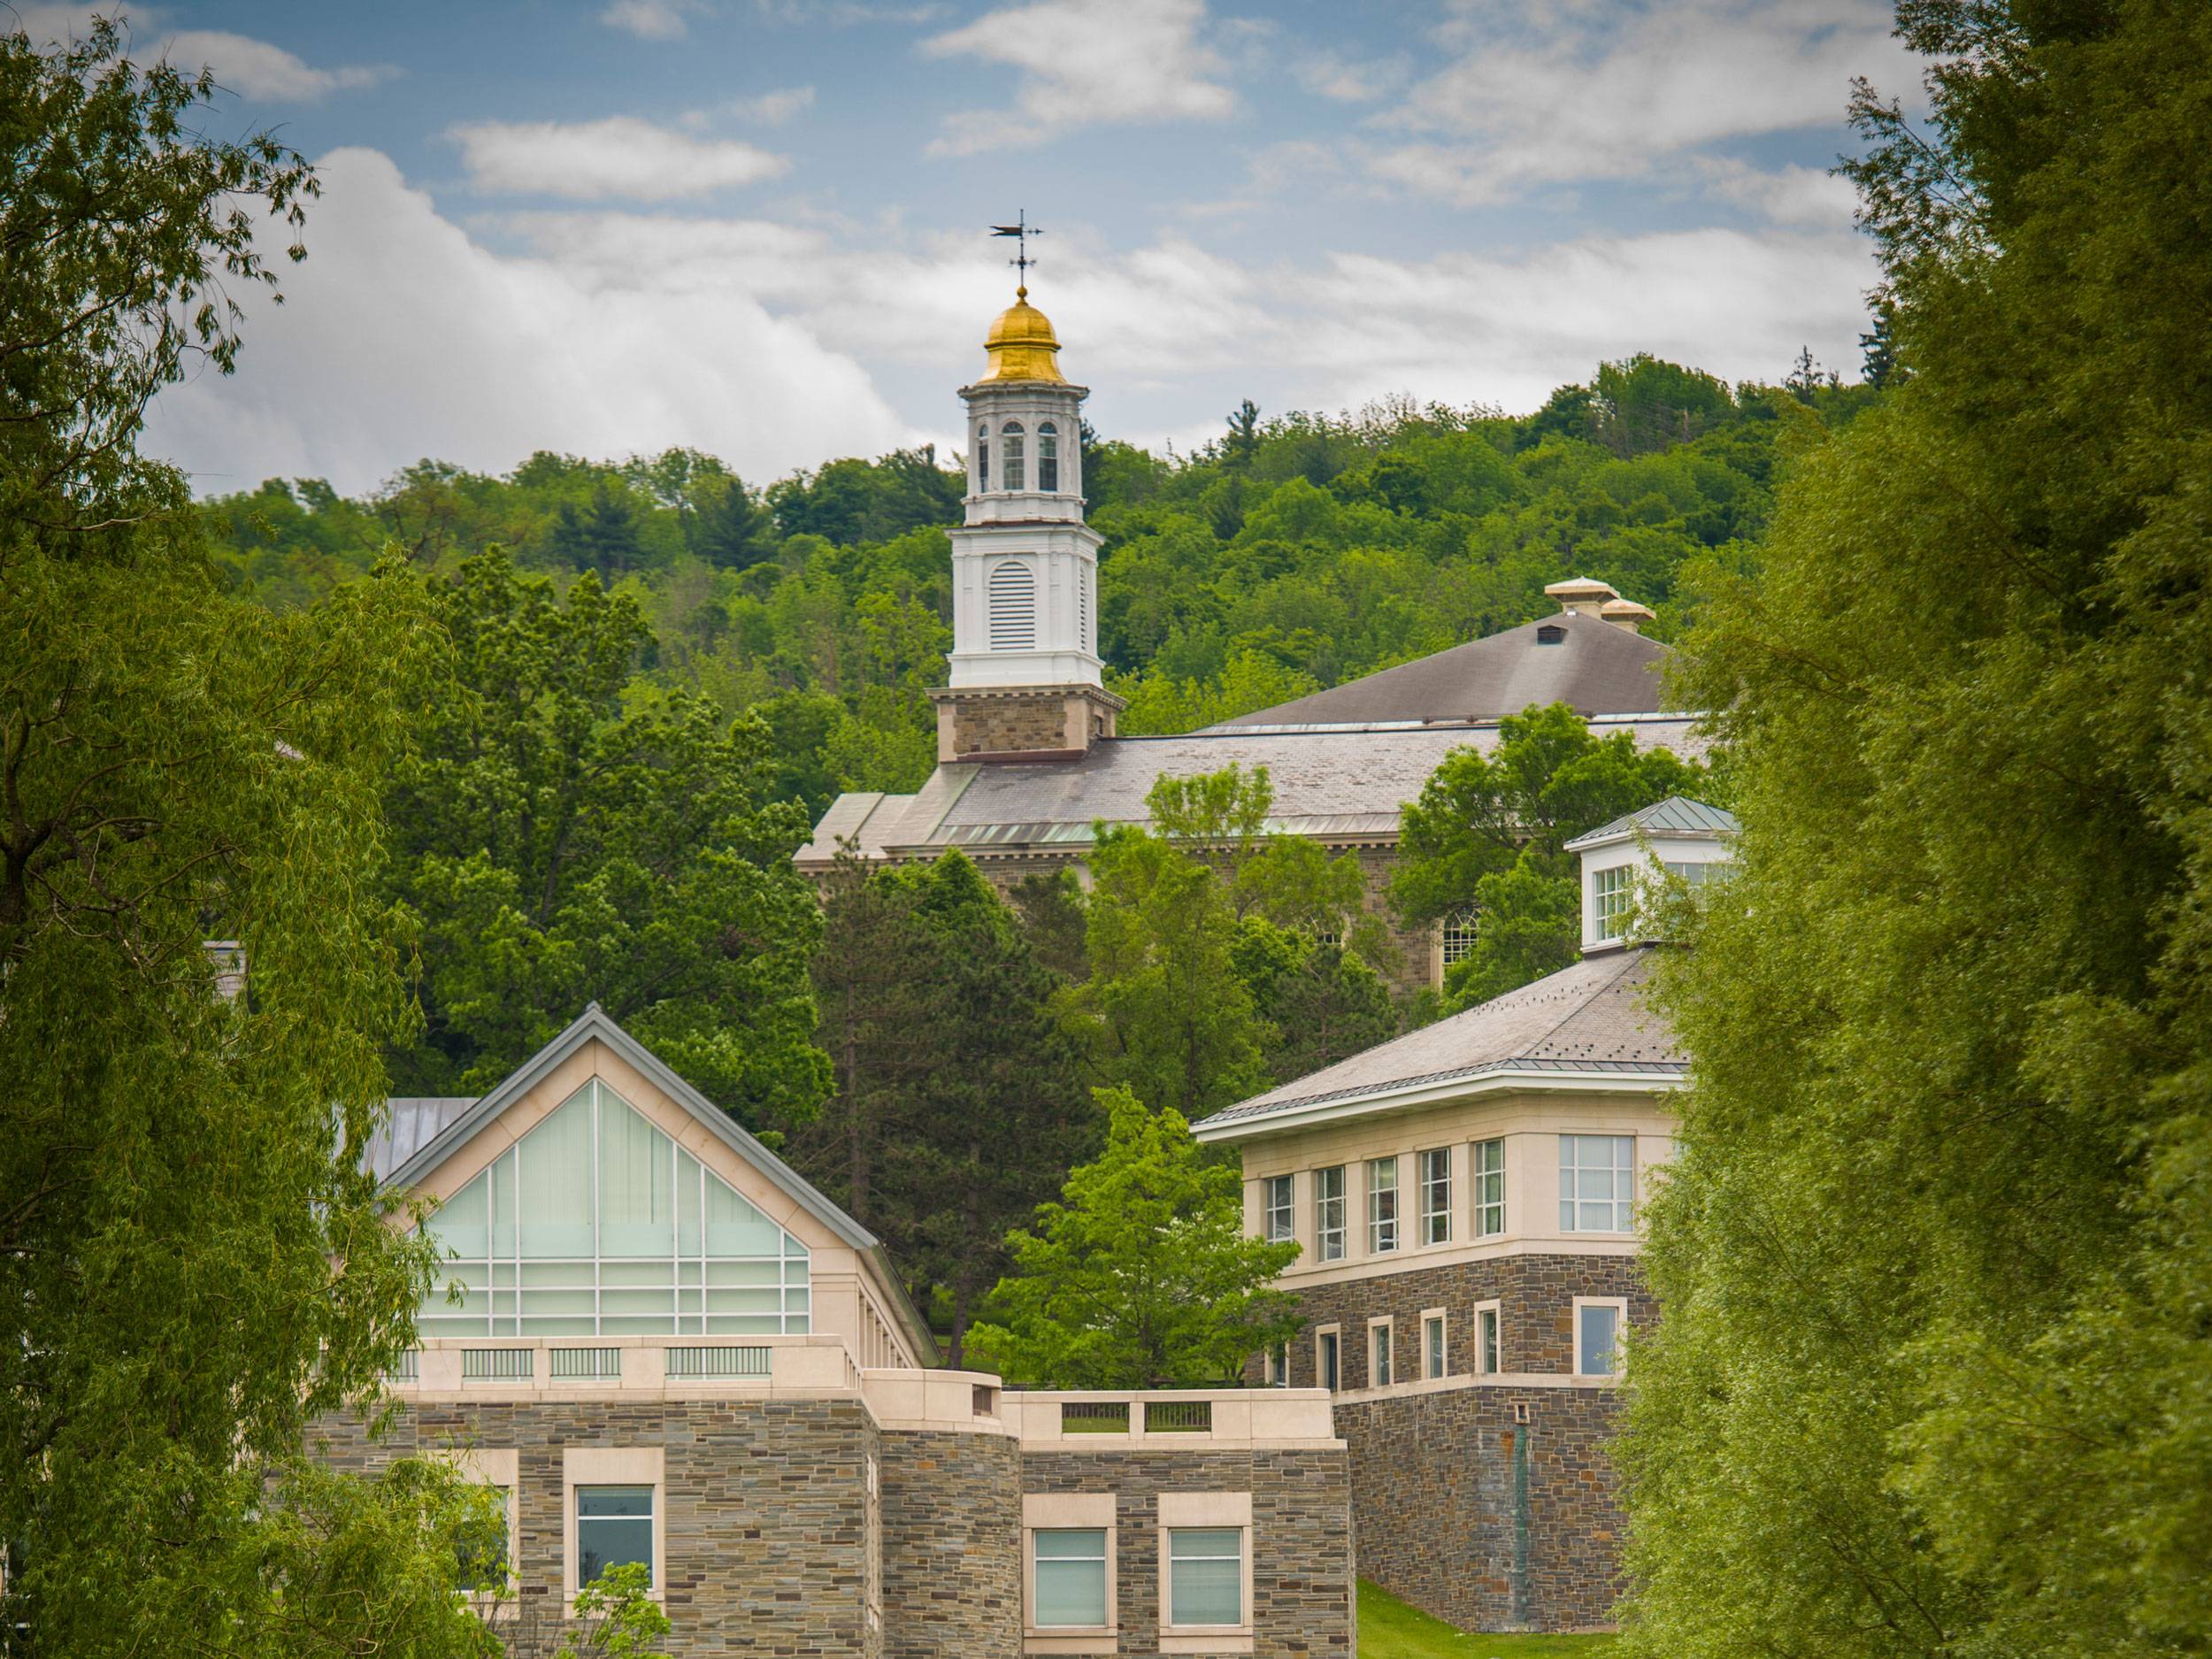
1372	1102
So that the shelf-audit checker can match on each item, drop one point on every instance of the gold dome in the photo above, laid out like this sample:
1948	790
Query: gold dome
1022	344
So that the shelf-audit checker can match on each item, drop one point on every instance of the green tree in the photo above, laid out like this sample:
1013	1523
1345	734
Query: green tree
565	839
1932	1377
1142	1275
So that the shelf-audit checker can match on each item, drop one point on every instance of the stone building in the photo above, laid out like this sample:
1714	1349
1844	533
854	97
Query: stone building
1028	756
665	1347
1465	1201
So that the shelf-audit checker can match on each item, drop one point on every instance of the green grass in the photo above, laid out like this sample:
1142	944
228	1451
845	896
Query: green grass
1389	1629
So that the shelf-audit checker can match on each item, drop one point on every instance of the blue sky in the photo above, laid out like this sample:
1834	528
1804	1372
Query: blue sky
757	225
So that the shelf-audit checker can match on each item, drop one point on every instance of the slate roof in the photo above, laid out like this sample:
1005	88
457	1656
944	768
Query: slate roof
1677	815
1597	667
1346	780
1589	1017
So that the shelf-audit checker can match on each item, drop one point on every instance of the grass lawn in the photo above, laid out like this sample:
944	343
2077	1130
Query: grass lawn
1388	1629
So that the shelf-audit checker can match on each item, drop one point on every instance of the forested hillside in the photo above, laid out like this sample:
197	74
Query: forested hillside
1291	554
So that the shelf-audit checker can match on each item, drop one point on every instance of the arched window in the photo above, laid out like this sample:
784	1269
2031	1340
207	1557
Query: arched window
982	459
1048	457
1013	607
596	1223
1011	457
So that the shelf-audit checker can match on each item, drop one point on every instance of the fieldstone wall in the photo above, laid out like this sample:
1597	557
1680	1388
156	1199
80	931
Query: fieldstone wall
1303	1585
766	1524
952	1569
1009	725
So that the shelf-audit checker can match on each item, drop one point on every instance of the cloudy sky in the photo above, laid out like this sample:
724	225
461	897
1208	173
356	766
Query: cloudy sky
756	226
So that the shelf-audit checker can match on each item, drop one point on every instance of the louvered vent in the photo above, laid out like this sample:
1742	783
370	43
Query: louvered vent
1013	602
1083	609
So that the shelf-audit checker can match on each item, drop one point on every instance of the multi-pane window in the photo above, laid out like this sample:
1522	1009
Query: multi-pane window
1489	1178
1378	1355
1609	897
1048	457
982	459
614	1527
1487	1342
1327	1352
1276	1191
1009	456
1382	1206
1597	1183
1328	1213
1436	1196
1071	1577
1433	1346
1690	875
596	1223
1205	1575
1458	937
1597	1338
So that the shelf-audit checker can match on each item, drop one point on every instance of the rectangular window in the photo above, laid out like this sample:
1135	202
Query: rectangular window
1205	1576
1328	1213
1071	1577
1432	1352
1609	897
1278	1367
1436	1196
1597	1183
1489	1189
484	1563
1276	1191
614	1527
1382	1206
1486	1339
1597	1338
1378	1374
1328	1348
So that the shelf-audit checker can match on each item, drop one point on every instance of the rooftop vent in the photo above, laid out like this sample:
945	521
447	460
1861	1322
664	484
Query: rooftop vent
1627	613
1582	594
1551	634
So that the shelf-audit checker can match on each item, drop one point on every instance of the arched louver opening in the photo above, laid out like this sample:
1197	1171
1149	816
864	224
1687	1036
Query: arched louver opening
1013	607
1047	457
1011	455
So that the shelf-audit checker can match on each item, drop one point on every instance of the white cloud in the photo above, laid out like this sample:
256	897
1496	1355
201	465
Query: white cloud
1330	76
1811	196
1538	96
404	337
652	19
255	69
621	157
773	109
1086	61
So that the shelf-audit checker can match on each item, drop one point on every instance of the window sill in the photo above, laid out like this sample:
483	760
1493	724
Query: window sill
1071	1641
1226	1640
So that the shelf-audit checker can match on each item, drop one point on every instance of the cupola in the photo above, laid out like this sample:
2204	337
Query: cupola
1022	345
1625	863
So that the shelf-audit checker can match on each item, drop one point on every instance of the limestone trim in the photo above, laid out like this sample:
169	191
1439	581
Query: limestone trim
1478	1358
1050	1511
1328	1337
1292	1278
612	1466
1441	1317
1505	1080
1382	1357
1211	1509
1496	1379
1619	1304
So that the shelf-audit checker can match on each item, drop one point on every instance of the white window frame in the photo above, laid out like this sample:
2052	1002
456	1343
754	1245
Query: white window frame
1207	1511
1436	1350
1279	1223
1333	1333
1331	1240
1612	899
612	1466
1063	1512
1455	938
1382	1229
1619	1304
1013	475
1488	1355
1570	1199
1483	1209
1434	1225
1047	455
1379	1345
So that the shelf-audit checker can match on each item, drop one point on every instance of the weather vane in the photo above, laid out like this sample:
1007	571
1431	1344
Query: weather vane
1022	230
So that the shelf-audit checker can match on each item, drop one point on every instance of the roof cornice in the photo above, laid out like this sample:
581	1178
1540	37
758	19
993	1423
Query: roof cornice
1505	1077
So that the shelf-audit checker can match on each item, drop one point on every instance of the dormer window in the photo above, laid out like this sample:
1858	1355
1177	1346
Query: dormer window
982	459
1047	457
1610	897
1551	634
1011	464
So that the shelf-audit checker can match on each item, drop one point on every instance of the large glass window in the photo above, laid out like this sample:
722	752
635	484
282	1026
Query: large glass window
1597	1183
596	1223
1328	1213
1609	894
1009	455
1489	1189
1597	1337
1382	1206
1436	1196
1047	457
614	1527
1278	1191
1205	1575
1070	1577
483	1556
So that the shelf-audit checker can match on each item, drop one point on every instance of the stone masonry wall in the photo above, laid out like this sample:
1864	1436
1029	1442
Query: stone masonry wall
1303	1588
1004	725
952	1569
765	1519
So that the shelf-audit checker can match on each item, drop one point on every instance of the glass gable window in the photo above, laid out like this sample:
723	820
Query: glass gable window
1382	1206
596	1223
1609	895
1489	1189
1279	1211
1328	1212
1597	1183
1071	1568
1436	1196
614	1527
1206	1575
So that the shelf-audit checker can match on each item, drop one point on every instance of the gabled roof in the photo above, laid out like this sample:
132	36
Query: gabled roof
1677	815
1585	1026
1594	667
